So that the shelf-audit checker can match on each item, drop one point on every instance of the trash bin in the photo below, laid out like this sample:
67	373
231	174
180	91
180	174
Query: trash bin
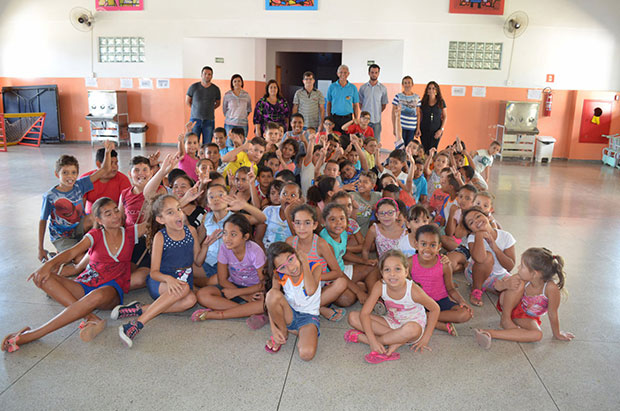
137	133
544	148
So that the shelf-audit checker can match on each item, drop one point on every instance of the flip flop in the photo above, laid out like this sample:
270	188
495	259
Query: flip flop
476	297
376	358
271	349
257	321
351	336
338	314
483	338
197	315
90	329
452	330
9	343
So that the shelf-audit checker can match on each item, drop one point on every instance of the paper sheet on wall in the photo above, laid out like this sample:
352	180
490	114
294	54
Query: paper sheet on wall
534	94
479	92
126	83
146	83
163	83
90	81
458	91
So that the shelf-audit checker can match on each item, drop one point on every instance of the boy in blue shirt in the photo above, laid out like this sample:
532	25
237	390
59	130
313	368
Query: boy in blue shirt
63	204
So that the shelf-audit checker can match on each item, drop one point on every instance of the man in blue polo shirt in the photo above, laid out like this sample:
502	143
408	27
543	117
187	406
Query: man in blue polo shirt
343	102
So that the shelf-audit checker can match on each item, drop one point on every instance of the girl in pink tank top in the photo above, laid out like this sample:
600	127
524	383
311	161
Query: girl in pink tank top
406	321
434	274
529	294
316	250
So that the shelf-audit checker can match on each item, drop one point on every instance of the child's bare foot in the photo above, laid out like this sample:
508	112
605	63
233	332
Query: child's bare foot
90	329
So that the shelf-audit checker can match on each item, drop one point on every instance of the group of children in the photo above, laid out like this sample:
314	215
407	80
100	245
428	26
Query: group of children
286	229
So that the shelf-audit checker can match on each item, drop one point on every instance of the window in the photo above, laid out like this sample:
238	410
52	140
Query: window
475	55
121	50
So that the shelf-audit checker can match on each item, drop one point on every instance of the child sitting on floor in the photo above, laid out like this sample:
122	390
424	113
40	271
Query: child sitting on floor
100	287
406	319
529	295
293	300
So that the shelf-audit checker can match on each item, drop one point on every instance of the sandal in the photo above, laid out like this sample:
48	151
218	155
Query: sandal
338	314
483	338
90	329
257	321
197	315
9	343
352	335
376	358
272	349
452	330
476	297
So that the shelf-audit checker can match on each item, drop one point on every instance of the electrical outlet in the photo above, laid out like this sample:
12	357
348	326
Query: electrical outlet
80	129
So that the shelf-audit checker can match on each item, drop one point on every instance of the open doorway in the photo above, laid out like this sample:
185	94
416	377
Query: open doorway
290	67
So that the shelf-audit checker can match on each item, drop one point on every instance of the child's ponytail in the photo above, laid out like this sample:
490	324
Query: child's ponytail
548	264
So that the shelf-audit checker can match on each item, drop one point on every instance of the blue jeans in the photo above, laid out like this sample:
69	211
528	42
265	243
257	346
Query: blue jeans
204	128
229	127
408	136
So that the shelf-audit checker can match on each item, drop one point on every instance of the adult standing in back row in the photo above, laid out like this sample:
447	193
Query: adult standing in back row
373	99
343	102
433	116
310	103
203	98
407	103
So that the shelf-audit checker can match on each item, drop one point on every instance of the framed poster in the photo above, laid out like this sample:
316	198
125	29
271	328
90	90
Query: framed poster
477	6
291	5
119	5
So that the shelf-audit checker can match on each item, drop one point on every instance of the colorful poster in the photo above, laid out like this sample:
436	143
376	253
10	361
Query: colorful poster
477	6
291	4
119	5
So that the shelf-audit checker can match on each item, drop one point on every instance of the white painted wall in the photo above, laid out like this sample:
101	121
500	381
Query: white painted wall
569	38
388	54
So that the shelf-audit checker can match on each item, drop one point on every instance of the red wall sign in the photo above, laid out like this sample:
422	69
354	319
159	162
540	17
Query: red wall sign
550	78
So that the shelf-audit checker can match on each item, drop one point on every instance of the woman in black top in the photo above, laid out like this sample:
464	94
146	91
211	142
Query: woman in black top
434	116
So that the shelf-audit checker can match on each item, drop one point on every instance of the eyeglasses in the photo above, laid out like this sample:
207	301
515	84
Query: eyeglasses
386	213
288	262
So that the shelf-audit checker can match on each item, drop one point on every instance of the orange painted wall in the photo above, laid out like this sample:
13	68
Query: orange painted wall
471	118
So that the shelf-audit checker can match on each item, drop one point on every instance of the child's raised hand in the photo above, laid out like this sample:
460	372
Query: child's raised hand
193	193
251	175
432	152
189	126
210	239
564	336
234	204
513	282
108	145
154	158
181	138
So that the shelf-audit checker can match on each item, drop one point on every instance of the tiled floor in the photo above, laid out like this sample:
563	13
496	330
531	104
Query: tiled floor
176	364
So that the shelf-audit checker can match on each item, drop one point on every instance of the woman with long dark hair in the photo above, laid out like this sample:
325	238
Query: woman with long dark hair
271	107
433	116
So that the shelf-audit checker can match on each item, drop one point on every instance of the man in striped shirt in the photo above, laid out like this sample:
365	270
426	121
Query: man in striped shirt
310	103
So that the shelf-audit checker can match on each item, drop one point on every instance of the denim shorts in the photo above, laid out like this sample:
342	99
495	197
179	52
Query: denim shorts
113	283
445	304
153	286
301	319
210	270
463	250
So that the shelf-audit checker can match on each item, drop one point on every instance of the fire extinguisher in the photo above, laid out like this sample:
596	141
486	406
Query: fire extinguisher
548	102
